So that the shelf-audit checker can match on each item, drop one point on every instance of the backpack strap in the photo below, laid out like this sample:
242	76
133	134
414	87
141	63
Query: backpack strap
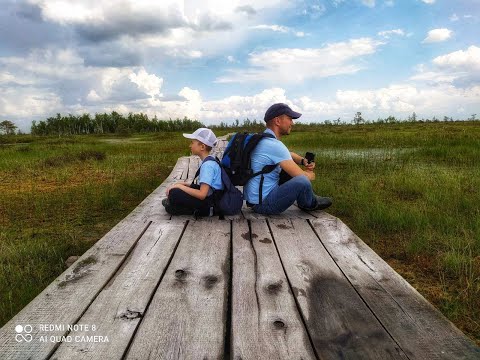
266	169
208	158
227	184
254	140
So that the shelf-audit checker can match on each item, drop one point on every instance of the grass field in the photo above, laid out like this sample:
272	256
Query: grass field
411	191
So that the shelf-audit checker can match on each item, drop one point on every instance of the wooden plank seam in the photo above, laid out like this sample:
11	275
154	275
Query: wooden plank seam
354	287
292	291
127	349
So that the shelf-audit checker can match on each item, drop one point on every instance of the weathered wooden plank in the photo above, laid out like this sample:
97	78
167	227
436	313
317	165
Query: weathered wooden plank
220	148
63	302
293	212
265	320
117	310
339	323
421	330
187	316
193	167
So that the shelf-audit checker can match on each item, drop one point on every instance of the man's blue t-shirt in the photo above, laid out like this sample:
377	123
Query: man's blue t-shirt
211	174
269	151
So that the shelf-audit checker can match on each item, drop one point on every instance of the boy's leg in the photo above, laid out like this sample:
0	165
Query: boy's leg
282	197
181	203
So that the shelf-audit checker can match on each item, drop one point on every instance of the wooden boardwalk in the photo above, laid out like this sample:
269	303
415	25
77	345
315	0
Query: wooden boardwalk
295	286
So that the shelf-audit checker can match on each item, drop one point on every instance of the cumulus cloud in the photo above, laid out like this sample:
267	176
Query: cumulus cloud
438	35
148	83
100	21
460	68
27	91
26	103
129	33
399	100
429	1
171	28
242	107
296	65
468	60
247	9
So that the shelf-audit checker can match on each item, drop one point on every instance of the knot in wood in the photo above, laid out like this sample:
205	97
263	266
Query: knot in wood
274	288
210	281
279	324
180	274
131	314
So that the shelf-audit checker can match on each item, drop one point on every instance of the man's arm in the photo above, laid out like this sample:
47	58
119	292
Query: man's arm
292	169
300	160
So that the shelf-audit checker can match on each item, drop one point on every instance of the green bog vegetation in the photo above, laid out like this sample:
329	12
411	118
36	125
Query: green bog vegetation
409	190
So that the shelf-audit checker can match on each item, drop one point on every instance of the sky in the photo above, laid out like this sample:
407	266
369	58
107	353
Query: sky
215	60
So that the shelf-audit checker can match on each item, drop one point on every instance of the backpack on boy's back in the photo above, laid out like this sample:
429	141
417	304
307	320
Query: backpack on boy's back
237	158
228	201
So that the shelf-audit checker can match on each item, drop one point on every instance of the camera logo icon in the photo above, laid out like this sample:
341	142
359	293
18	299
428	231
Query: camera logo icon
23	333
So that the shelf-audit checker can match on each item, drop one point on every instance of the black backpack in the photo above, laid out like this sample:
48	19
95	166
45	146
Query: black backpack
228	201
237	156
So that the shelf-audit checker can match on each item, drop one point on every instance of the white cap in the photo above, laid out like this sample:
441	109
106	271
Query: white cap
203	135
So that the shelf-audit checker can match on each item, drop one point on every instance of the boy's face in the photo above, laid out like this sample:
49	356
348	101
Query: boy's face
196	147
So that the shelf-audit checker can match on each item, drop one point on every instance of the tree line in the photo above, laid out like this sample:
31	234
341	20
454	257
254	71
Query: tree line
358	119
113	123
116	123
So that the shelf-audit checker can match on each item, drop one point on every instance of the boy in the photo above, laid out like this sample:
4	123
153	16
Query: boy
185	199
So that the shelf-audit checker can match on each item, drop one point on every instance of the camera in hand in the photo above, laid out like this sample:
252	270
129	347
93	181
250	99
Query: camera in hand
310	157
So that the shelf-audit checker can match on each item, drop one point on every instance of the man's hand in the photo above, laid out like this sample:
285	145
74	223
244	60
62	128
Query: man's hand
292	169
302	161
309	167
310	174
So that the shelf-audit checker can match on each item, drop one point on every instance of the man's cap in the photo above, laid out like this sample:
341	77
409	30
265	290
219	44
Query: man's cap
203	135
280	109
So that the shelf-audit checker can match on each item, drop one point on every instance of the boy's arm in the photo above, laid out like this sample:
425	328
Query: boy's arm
200	194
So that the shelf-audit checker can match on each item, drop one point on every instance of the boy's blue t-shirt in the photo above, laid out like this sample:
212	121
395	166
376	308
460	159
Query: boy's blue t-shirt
211	174
269	151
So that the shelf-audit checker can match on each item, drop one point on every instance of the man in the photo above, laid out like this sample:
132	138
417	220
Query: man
275	198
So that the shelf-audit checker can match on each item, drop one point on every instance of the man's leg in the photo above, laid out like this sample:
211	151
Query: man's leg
282	197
